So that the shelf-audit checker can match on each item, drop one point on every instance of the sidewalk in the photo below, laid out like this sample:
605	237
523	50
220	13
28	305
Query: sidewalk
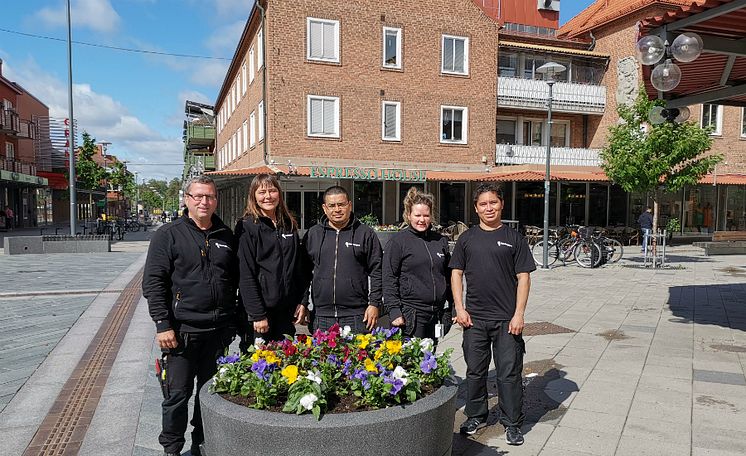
628	361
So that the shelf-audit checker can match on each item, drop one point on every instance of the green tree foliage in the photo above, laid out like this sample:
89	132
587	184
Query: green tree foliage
89	173
120	178
642	157
160	194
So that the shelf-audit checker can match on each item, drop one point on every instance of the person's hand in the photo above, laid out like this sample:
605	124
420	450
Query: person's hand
261	326
371	317
300	315
167	339
399	322
463	318
516	325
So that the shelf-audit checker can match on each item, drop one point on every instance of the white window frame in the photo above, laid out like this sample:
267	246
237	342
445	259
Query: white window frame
260	49
245	128
243	79
743	122
399	59
252	129
260	122
442	54
10	151
719	124
397	135
251	64
333	59
336	133
464	129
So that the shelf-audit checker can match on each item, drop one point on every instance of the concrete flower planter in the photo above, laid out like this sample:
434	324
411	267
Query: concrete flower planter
424	428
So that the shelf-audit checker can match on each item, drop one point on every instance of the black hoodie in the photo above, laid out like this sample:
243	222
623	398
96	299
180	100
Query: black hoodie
273	273
342	263
190	276
415	272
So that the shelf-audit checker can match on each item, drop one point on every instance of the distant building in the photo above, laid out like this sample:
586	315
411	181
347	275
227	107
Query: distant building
199	138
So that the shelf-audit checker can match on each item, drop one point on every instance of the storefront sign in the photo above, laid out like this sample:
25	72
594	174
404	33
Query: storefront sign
371	174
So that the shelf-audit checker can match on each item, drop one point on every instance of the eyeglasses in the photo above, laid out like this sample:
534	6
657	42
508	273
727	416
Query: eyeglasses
198	198
337	205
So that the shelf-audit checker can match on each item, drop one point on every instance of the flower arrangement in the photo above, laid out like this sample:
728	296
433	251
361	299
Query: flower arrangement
387	228
304	374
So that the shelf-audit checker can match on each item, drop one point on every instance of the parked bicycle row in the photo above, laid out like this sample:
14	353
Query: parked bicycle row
586	246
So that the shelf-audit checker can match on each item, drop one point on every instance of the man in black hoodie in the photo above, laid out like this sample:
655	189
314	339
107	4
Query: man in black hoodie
344	254
190	281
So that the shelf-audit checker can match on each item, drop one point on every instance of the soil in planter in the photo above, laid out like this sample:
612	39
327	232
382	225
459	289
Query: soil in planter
336	404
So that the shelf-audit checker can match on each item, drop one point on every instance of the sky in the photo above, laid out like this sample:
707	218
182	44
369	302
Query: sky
135	101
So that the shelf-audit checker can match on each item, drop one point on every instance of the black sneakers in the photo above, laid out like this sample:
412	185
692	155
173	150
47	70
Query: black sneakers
513	435
471	425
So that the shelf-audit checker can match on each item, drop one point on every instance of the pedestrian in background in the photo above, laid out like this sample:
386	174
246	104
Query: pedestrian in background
190	281
496	262
9	218
416	277
272	277
646	226
346	256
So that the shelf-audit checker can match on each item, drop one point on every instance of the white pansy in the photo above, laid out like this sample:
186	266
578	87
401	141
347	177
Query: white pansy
426	344
346	331
308	400
259	341
314	377
222	371
401	374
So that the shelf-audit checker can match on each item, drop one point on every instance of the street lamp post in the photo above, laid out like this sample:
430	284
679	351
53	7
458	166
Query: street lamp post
104	146
549	69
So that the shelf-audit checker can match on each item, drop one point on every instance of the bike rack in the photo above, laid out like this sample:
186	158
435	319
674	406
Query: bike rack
655	258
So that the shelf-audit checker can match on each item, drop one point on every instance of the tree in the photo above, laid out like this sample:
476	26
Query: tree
642	157
120	178
88	172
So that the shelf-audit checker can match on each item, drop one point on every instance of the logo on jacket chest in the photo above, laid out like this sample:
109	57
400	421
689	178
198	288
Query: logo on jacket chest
285	236
224	246
440	255
348	244
504	244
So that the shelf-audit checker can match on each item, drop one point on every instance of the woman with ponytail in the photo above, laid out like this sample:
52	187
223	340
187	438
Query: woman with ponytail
416	278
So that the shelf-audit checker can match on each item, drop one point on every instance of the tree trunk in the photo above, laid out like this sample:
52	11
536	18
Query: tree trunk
655	227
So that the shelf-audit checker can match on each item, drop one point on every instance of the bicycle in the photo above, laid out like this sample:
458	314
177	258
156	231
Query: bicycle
577	245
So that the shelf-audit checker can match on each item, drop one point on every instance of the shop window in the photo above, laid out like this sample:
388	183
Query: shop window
452	203
322	40
529	203
597	204
712	116
368	199
391	119
392	57
323	116
403	189
455	55
572	203
453	124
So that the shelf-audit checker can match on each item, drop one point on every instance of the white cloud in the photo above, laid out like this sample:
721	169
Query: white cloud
233	8
193	95
97	15
210	74
225	39
105	119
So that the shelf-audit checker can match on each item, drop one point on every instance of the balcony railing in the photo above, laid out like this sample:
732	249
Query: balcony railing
16	166
27	130
9	121
566	96
199	135
512	154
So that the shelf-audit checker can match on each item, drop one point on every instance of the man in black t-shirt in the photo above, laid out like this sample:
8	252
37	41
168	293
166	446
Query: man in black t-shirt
496	262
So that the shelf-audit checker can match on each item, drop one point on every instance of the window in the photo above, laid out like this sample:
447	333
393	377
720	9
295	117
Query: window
505	131
559	136
245	135
260	49
252	129
367	199
260	114
391	47
743	122
530	65
712	116
323	116
251	65
243	79
508	64
533	132
453	124
322	40
455	58
10	151
391	121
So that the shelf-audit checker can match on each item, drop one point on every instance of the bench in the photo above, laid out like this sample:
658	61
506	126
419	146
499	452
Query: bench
57	244
729	236
723	247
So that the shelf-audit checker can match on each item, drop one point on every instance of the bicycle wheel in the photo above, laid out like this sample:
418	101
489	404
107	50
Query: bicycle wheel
538	253
566	248
614	250
133	226
587	254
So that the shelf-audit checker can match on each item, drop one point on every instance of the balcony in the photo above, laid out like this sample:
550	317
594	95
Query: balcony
16	166
27	130
512	154
199	136
566	97
9	121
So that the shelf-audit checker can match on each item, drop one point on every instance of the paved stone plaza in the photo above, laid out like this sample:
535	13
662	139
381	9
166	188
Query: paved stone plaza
629	361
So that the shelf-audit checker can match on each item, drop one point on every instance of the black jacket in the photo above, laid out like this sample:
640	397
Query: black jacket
190	276
646	220
415	272
273	272
342	263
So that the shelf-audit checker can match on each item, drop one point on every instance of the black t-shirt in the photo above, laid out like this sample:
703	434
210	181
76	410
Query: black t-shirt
490	261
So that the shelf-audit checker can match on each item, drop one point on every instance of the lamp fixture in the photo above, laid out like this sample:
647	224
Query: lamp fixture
652	49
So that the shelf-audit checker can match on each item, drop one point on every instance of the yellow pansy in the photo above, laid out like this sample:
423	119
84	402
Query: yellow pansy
271	357
393	346
290	372
378	354
255	356
362	340
370	366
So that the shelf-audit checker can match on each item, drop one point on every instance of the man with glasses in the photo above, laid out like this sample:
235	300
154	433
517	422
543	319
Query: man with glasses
190	282
346	259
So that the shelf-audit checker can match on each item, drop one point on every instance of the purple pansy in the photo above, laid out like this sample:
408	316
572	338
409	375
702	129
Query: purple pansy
230	359
259	368
429	363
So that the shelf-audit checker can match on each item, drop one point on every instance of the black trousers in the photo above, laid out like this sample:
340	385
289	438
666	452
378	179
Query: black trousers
196	356
418	323
355	322
483	338
280	324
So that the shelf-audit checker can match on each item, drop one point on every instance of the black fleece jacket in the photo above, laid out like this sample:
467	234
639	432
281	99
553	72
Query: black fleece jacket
274	275
415	272
190	276
342	263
